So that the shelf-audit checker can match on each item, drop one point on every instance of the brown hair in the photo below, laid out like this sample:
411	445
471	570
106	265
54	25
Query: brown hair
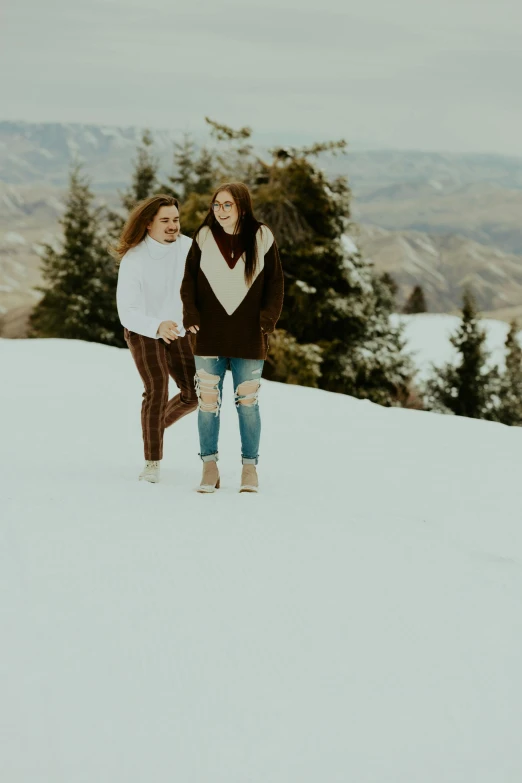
135	228
247	224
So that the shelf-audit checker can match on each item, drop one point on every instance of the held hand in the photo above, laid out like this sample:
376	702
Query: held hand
168	331
193	329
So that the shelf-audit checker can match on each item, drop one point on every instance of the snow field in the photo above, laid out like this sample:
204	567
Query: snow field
357	620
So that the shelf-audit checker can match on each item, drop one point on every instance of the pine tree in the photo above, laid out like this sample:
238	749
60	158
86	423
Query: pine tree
80	277
416	302
205	173
391	284
333	299
334	331
467	388
510	392
182	182
237	161
144	184
193	183
144	176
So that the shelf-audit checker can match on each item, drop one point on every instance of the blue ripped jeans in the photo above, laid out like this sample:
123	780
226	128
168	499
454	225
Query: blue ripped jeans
246	375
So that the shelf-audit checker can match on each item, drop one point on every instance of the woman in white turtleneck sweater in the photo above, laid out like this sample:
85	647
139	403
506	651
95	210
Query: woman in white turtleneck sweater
153	253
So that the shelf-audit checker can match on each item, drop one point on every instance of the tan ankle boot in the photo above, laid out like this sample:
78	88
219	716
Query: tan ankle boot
249	480
210	478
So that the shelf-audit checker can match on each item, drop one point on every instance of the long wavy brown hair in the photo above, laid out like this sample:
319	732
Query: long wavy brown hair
142	215
247	224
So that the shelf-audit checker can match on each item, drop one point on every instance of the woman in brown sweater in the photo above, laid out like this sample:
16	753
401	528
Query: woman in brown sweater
232	295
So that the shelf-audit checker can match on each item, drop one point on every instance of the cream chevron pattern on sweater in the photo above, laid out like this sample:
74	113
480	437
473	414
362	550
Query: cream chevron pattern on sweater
229	285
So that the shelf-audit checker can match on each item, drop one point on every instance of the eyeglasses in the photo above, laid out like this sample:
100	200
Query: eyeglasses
227	206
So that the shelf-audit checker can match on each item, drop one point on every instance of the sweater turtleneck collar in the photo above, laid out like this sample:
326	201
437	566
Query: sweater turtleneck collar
231	245
158	250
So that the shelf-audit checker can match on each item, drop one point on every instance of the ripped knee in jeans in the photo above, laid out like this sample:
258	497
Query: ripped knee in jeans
247	392
208	393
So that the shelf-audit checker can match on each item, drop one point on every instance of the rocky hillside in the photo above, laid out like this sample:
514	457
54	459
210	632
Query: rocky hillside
444	265
29	218
43	152
484	212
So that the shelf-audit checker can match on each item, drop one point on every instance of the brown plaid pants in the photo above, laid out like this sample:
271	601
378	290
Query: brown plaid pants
155	361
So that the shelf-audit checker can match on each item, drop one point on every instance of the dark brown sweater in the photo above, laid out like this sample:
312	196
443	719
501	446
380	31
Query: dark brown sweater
234	319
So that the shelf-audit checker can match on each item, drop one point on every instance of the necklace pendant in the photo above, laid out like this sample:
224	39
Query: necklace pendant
232	254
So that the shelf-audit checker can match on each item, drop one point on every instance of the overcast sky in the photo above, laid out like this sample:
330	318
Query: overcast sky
410	74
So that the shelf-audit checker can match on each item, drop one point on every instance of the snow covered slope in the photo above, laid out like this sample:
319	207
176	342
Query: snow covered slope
359	620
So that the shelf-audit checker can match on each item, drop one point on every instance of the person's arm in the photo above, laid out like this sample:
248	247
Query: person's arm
273	291
189	287
129	300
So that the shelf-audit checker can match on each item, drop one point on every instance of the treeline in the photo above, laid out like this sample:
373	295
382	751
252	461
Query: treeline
334	332
472	386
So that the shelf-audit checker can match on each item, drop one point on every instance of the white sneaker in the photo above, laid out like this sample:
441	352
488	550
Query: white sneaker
151	471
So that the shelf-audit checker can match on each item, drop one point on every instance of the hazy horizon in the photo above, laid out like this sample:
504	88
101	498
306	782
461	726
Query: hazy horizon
201	135
442	78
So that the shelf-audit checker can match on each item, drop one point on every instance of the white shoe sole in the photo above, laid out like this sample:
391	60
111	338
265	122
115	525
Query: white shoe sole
206	489
150	479
248	488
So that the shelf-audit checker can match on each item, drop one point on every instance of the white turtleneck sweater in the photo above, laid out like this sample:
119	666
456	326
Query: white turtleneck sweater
149	281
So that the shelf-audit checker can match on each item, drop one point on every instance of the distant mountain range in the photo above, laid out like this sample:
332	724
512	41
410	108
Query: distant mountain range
32	152
441	220
444	265
43	153
484	212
